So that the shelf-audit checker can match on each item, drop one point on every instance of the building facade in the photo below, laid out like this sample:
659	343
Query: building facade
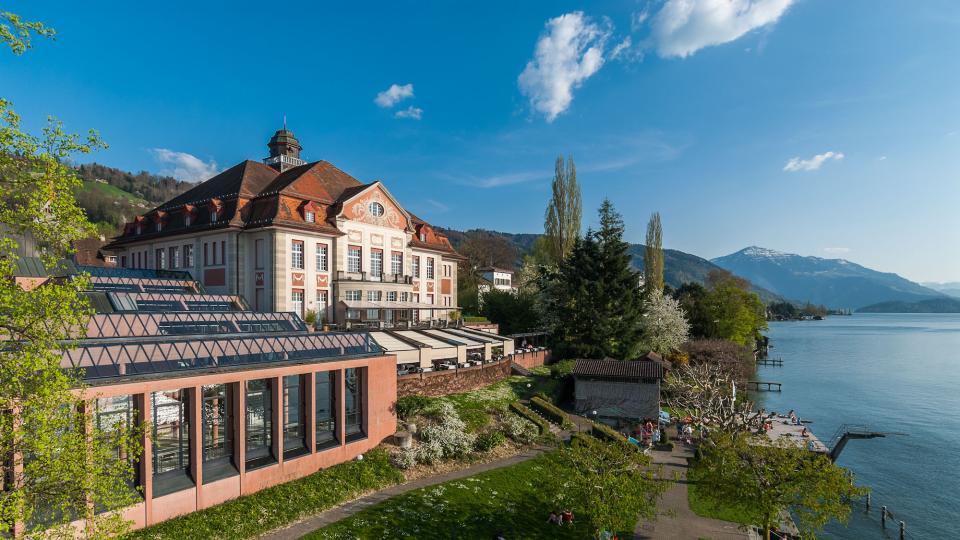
619	393
294	236
499	279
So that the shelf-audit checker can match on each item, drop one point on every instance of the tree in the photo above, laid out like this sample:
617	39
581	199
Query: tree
484	249
653	255
692	298
705	392
764	477
621	303
665	327
735	360
513	312
611	482
57	466
562	222
737	314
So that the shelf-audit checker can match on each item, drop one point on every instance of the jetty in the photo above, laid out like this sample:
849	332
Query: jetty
767	386
776	362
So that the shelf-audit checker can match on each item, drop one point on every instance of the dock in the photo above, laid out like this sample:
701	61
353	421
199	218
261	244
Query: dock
766	386
776	362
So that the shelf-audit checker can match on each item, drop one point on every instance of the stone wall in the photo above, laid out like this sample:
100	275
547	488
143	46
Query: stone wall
452	381
531	359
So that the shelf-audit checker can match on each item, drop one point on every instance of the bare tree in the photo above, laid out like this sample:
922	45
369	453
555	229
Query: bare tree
706	393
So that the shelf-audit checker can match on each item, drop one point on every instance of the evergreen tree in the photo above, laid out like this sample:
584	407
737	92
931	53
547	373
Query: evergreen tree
621	303
562	223
653	256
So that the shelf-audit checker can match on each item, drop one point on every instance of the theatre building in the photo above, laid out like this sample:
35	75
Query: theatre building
293	236
235	400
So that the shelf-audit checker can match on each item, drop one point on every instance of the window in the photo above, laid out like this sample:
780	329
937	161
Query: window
376	209
430	299
187	218
259	423
160	259
296	299
374	296
171	442
326	396
188	256
423	237
353	402
174	257
258	253
159	226
223	252
139	229
415	266
429	267
404	297
354	295
296	255
396	263
258	302
446	301
294	417
373	314
206	259
446	270
354	254
376	263
353	314
214	214
391	296
322	258
217	418
310	217
323	299
117	413
123	261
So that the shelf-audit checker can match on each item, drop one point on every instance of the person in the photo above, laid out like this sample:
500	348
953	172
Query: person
656	436
687	433
804	433
554	518
568	517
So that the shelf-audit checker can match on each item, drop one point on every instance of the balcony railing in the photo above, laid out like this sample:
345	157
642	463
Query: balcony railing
367	276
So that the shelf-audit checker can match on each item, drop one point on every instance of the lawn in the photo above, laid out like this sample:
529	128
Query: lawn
704	508
474	407
508	501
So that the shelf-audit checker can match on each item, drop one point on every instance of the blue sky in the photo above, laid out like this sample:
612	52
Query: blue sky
811	126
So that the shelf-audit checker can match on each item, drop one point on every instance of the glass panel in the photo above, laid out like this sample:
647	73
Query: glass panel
259	423
117	413
171	441
294	416
326	409
353	402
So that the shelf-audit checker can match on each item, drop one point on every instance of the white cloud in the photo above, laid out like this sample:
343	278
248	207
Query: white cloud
414	113
620	48
882	158
393	95
796	164
836	250
184	166
566	55
682	27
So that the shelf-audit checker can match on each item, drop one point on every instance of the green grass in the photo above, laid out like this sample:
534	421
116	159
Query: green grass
705	508
509	501
111	191
476	407
280	505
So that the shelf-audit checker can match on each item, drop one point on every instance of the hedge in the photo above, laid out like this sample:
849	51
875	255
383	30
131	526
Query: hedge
607	433
280	505
552	412
582	438
475	319
527	412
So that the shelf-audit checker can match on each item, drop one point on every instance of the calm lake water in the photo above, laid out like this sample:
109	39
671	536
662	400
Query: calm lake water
897	373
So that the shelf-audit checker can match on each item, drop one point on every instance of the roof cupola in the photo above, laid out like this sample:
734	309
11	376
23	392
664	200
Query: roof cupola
284	150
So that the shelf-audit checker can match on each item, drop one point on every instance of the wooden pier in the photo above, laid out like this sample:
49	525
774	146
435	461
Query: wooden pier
765	386
777	362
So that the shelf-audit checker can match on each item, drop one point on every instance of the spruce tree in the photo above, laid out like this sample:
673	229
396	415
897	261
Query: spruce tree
620	297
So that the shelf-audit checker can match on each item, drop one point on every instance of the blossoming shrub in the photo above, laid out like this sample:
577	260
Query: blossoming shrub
448	432
520	430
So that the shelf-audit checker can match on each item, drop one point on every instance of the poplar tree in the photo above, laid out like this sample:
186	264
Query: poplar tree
562	223
57	465
653	255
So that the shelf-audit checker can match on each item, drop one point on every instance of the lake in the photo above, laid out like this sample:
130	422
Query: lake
890	372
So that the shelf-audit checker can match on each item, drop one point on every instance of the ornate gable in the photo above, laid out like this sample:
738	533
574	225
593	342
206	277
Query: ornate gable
375	205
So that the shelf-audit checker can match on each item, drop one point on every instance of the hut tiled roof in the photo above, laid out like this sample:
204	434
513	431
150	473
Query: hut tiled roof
645	368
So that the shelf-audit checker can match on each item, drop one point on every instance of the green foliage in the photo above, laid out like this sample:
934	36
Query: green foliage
489	440
310	317
515	313
561	225
758	479
727	309
594	298
562	368
653	256
606	433
66	460
17	33
528	414
476	319
610	484
693	301
280	505
552	412
409	406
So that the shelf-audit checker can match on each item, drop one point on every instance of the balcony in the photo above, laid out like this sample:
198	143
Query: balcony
399	279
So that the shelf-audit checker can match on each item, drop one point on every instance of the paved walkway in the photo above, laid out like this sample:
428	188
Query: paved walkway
675	519
317	521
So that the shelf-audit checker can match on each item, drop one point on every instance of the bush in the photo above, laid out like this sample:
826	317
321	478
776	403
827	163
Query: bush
605	432
552	412
475	319
520	430
578	438
406	458
310	317
409	406
488	441
562	368
528	414
448	433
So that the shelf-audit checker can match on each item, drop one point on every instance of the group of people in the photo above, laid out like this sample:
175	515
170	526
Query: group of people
561	518
648	432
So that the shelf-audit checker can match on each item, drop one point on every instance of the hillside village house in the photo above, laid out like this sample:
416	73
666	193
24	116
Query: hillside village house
295	236
492	278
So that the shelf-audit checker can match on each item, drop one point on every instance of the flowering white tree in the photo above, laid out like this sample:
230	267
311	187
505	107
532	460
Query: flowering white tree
665	326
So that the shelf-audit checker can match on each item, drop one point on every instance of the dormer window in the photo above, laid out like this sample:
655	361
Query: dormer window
214	214
310	216
423	236
376	209
139	229
186	220
159	226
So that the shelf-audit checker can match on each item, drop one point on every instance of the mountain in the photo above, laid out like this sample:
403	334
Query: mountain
949	289
931	305
678	267
835	283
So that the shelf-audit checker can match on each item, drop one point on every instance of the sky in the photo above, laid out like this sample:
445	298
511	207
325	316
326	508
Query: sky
816	127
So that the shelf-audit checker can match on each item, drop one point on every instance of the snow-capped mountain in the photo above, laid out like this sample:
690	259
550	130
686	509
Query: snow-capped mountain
835	283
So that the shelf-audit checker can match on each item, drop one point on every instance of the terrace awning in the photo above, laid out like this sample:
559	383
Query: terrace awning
367	304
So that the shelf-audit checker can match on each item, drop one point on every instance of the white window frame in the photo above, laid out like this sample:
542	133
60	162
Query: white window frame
353	296
296	255
430	265
396	263
323	257
376	263
415	266
354	259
